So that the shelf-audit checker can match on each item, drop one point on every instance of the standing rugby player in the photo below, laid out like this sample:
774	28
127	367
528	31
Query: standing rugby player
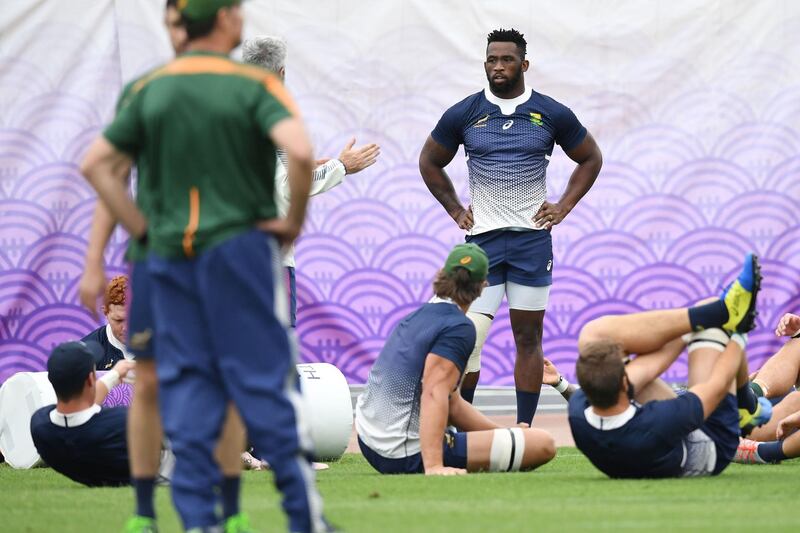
203	131
508	132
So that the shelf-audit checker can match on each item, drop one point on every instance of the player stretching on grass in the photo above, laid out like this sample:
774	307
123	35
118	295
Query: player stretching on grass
693	434
777	380
203	130
508	133
412	391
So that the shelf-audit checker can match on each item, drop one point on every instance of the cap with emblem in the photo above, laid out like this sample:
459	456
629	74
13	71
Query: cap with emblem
70	363
203	9
470	257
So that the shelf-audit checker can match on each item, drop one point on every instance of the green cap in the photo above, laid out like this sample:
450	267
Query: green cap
470	257
203	9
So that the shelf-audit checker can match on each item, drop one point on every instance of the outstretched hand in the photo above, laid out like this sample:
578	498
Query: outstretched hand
357	159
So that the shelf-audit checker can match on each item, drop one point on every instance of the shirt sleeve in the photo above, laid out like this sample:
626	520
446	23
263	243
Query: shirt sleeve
125	132
326	177
274	105
455	344
678	417
569	131
449	130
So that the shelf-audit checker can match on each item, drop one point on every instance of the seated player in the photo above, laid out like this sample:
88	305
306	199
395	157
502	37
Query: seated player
77	437
113	335
664	436
412	391
776	380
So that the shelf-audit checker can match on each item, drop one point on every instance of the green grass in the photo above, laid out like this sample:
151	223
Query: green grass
566	495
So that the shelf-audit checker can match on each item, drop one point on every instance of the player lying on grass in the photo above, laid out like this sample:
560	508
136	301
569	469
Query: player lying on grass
77	437
84	441
780	375
412	391
658	434
776	380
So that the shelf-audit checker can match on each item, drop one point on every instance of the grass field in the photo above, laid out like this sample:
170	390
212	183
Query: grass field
566	495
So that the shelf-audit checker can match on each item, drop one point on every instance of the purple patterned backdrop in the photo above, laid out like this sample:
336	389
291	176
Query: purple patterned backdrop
696	116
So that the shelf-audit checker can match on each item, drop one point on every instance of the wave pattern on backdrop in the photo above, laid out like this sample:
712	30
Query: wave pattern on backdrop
695	110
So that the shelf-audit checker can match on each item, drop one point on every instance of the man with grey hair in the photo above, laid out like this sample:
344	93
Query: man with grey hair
270	53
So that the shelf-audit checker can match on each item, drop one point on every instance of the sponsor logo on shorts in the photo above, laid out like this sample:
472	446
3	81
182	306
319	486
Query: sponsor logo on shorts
536	118
508	124
141	339
550	265
449	440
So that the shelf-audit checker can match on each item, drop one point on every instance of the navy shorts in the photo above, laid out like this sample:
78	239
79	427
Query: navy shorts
524	257
454	447
722	426
141	330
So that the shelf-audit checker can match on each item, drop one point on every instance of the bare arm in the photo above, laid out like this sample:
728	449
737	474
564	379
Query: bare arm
712	391
466	417
93	280
439	380
290	136
107	169
590	160
432	160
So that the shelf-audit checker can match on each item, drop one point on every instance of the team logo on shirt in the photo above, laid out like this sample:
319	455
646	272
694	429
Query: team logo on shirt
536	118
481	123
508	124
141	339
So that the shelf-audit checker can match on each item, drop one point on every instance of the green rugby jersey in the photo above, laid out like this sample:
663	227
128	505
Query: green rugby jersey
198	129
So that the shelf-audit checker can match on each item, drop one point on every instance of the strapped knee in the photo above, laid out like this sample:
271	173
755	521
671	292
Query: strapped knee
508	447
713	338
482	325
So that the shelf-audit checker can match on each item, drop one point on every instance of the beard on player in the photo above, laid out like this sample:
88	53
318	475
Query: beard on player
502	83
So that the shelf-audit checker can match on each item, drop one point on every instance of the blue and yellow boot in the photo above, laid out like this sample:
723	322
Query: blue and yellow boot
740	297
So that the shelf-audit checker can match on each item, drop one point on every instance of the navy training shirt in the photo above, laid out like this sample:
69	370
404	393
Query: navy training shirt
644	442
508	144
94	453
111	354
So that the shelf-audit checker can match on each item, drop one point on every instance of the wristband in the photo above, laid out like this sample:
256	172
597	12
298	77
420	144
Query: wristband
110	379
562	385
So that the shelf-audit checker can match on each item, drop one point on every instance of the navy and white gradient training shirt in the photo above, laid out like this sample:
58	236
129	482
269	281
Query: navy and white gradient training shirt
387	413
508	144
